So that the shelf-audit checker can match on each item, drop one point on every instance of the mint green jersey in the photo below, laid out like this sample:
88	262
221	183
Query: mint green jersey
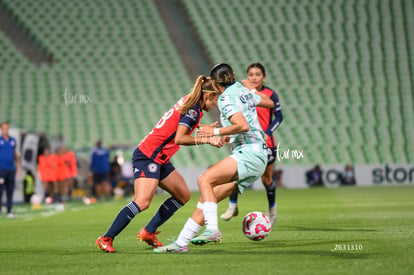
237	98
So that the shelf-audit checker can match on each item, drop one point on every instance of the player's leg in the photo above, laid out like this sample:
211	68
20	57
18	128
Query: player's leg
144	189
62	190
232	210
70	184
58	194
174	184
46	189
56	191
10	183
270	186
209	235
224	171
180	194
107	189
195	222
2	187
98	185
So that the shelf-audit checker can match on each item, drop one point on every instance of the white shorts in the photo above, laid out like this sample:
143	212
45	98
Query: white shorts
251	163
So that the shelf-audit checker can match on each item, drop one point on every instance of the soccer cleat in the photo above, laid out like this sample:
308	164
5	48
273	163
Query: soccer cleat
11	215
149	238
208	236
105	244
232	211
273	214
173	247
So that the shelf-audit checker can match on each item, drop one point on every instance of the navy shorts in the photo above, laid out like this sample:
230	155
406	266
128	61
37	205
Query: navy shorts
98	178
271	155
144	167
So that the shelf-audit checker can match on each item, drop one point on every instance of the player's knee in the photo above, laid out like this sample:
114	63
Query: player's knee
142	204
202	181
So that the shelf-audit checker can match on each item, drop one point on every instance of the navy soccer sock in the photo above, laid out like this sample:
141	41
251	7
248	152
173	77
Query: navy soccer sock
125	215
271	194
234	196
166	210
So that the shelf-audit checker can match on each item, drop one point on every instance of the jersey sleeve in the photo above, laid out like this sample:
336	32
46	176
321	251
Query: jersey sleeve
256	99
277	113
191	118
275	99
227	106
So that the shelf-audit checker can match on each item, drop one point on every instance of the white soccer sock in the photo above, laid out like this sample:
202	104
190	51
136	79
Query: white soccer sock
210	215
188	232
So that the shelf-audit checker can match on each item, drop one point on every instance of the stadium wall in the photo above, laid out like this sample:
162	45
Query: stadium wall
294	177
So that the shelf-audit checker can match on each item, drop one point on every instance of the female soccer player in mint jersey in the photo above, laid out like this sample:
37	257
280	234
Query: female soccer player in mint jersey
269	120
152	166
245	165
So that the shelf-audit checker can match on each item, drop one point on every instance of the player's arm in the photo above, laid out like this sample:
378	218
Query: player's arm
265	101
17	161
183	137
277	113
238	125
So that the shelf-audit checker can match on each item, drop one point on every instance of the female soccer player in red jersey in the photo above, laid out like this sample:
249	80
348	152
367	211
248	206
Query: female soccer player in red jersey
152	166
269	120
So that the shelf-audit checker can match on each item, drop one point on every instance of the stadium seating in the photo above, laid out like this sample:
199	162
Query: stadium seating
116	54
343	70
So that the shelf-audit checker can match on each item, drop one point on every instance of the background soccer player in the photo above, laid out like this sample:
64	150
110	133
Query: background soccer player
152	166
269	120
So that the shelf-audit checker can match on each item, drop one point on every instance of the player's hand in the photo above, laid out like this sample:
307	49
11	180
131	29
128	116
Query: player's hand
226	139
248	84
206	131
217	141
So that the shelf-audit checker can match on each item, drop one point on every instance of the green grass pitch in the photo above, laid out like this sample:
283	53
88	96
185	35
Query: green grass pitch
347	230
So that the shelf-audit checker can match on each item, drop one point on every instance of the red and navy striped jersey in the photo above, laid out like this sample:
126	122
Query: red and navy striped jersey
266	116
159	144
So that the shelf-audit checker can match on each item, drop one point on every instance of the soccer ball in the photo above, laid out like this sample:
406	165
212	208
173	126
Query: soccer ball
256	226
48	200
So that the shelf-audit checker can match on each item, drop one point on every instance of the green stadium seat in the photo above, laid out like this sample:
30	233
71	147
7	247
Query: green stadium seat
322	58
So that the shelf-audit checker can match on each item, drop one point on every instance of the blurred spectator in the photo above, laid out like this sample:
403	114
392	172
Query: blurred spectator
70	161
99	169
314	176
47	172
115	173
28	186
348	176
62	174
9	164
277	177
